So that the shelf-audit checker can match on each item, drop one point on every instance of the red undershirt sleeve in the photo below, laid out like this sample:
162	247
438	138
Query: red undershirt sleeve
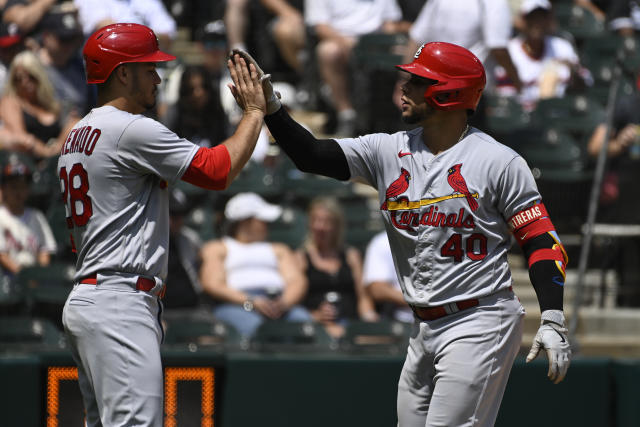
209	168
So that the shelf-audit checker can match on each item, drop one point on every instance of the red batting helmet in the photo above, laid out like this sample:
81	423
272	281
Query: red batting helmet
459	75
117	44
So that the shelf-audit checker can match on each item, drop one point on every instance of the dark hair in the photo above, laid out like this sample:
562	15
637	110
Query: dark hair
195	123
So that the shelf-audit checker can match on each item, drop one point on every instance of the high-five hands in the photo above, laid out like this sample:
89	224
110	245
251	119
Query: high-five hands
272	97
246	88
552	337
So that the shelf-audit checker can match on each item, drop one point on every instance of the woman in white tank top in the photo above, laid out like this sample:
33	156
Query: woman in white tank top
252	279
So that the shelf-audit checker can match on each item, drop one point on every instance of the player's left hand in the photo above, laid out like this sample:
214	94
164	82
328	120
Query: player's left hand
552	337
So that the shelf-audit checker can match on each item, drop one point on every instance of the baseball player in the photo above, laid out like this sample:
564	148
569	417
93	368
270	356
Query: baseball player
114	169
451	198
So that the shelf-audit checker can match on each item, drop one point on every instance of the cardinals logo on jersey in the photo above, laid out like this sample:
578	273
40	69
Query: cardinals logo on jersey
458	183
397	187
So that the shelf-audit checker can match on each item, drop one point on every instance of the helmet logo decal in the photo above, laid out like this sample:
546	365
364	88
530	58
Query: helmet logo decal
419	51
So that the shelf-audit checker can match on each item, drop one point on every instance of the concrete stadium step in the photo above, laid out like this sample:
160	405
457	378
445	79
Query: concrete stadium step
601	332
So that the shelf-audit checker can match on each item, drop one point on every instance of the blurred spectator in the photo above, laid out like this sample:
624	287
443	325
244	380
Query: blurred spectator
26	238
547	65
61	41
484	27
381	280
252	279
624	16
596	7
29	108
334	271
236	19
11	43
618	200
211	43
198	114
289	32
95	14
624	166
26	14
183	284
337	24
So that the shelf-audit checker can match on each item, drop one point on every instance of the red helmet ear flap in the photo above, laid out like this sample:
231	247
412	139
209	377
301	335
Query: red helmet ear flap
117	44
459	75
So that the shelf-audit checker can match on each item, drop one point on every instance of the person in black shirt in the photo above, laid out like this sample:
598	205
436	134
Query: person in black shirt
334	271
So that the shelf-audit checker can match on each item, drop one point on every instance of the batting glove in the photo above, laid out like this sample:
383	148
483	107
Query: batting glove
552	337
272	97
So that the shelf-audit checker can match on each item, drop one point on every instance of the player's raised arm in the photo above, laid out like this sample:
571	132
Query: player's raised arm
215	168
312	155
248	92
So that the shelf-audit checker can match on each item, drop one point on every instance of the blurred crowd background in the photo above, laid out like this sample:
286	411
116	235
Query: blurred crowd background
302	247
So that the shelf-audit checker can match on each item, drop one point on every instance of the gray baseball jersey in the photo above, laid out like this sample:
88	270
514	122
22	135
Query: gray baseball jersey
446	215
114	168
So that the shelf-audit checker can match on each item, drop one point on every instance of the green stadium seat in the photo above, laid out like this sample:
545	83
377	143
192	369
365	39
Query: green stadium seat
290	228
563	175
373	78
195	330
22	333
601	55
379	51
283	336
258	179
575	114
12	297
202	219
504	114
578	21
386	337
47	289
557	156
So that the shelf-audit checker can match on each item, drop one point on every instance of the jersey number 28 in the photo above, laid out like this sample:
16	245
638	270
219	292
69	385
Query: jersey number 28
75	185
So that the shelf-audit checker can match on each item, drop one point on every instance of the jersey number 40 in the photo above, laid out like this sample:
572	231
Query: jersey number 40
475	247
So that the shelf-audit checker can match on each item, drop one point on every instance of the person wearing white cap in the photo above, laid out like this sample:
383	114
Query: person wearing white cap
252	279
547	65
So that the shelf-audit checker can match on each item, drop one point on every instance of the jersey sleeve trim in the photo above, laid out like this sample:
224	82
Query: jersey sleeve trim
209	168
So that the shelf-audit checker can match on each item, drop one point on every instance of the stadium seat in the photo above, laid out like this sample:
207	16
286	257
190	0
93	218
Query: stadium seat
12	298
202	219
290	228
362	220
57	218
555	155
195	330
601	56
575	114
47	289
373	78
283	336
578	21
387	337
504	115
563	174
256	178
22	333
307	185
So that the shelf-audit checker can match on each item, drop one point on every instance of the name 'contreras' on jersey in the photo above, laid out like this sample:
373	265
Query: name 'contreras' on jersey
118	222
445	214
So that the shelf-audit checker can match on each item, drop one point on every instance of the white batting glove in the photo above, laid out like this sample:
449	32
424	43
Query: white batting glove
272	97
552	337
